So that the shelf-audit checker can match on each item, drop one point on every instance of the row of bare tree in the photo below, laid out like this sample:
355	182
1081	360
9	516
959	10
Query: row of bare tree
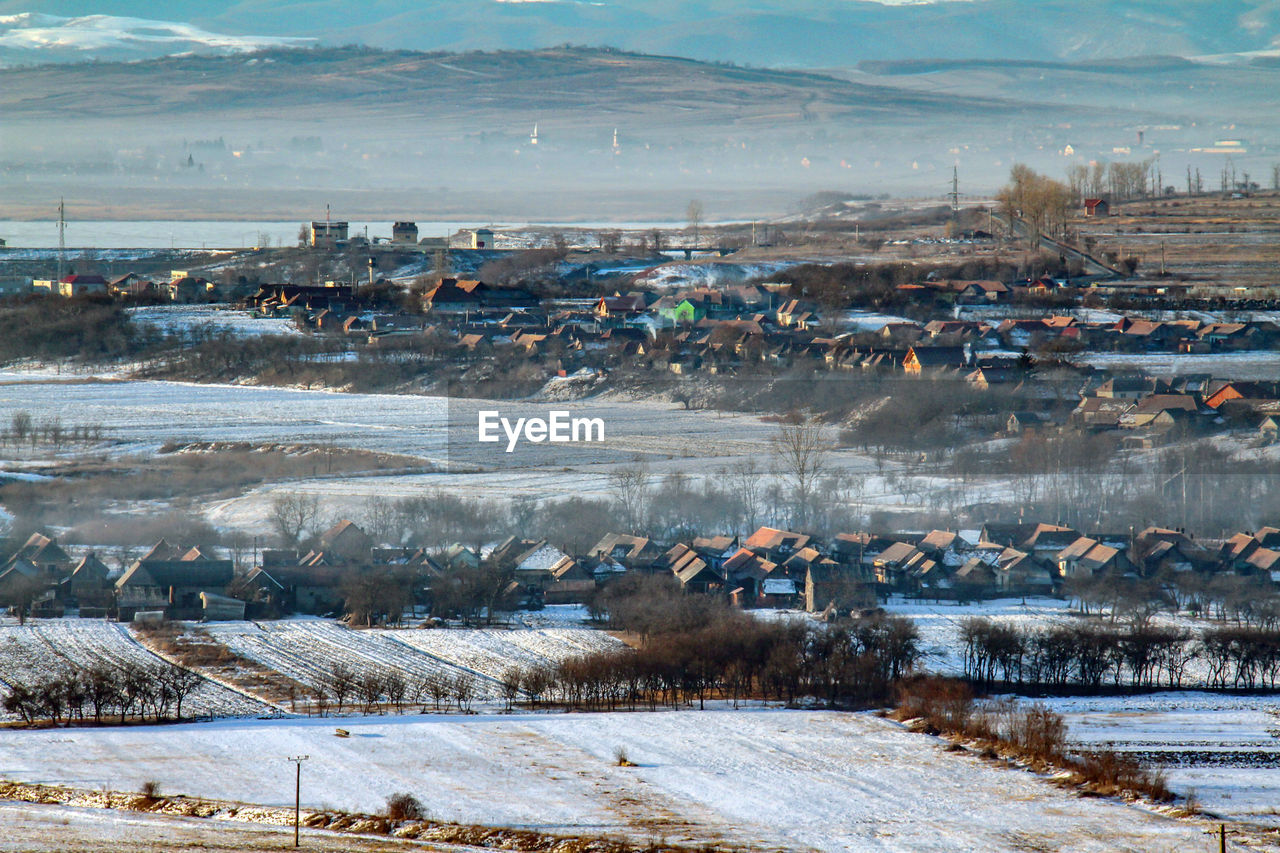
106	689
1092	655
377	687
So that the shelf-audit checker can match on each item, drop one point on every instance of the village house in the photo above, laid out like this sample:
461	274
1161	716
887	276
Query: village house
170	579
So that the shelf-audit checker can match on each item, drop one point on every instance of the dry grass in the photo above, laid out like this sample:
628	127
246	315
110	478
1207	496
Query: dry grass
469	835
1032	736
195	649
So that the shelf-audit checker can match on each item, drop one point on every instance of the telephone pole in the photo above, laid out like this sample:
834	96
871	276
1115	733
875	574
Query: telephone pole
62	236
297	797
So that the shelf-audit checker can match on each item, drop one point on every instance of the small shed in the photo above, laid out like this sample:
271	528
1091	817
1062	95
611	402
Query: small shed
220	608
1097	207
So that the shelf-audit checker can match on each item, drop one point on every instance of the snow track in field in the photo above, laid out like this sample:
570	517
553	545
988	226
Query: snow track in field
492	652
307	650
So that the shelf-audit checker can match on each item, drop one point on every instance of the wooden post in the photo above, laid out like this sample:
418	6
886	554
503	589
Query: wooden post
1222	838
297	798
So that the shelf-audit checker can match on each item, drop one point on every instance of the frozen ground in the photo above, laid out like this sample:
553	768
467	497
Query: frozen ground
29	828
307	649
1225	749
939	623
140	416
794	780
48	646
211	318
939	627
1242	365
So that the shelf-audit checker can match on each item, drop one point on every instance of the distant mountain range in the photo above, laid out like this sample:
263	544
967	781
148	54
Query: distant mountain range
776	33
28	38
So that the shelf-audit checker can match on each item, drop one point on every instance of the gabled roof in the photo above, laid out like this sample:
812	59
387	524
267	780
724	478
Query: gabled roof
713	544
770	539
90	569
939	540
213	574
162	550
260	578
746	564
899	553
1264	559
633	546
1098	557
697	569
567	569
1049	536
346	535
938	356
1076	549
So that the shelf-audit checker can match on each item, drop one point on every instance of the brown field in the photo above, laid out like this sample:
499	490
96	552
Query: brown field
1208	241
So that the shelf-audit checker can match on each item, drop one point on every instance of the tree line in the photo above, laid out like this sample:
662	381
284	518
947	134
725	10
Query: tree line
147	692
1097	655
693	648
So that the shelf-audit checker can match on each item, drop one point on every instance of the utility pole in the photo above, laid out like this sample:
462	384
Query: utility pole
62	236
297	797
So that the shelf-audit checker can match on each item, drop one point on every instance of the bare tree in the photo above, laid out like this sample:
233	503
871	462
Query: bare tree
694	215
181	683
341	681
20	427
293	514
631	489
746	480
801	447
464	690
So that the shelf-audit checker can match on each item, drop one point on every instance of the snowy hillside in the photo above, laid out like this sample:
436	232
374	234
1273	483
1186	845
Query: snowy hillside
32	37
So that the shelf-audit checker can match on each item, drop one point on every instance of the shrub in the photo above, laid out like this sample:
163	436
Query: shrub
404	807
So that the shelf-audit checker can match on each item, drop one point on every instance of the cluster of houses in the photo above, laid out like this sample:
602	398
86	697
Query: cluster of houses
718	329
180	286
771	568
182	582
1151	410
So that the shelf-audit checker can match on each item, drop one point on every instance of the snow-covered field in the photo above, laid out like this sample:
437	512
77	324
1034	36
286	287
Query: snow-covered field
939	623
1225	749
211	318
32	828
491	652
1242	365
140	416
794	780
306	650
939	627
48	646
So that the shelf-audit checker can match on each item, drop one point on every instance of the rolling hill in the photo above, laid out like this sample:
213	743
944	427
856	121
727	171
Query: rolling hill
791	33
